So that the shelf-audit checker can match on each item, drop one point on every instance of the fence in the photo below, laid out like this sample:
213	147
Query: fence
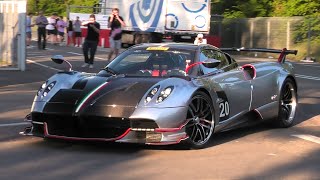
299	33
12	35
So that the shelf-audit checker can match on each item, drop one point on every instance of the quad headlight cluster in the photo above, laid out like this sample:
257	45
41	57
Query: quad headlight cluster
164	94
45	89
44	85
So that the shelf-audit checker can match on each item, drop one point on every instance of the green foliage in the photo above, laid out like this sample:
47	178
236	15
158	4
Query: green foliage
295	7
265	8
57	6
242	8
310	27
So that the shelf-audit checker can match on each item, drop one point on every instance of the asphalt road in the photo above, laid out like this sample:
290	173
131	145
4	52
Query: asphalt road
257	152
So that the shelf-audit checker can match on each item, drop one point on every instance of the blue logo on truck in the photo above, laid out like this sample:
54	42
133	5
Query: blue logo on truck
176	19
195	11
146	18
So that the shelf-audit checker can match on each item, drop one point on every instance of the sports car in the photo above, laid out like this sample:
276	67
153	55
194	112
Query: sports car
166	93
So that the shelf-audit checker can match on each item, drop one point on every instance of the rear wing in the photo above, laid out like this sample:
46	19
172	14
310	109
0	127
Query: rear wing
283	53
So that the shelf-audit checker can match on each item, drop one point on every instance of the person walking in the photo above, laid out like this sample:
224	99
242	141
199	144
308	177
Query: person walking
41	22
61	25
91	41
115	23
28	29
77	32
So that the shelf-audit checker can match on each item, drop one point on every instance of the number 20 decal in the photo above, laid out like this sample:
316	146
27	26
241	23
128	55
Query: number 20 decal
224	109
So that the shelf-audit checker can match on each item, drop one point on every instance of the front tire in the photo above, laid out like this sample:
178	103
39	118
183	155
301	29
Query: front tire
288	102
201	121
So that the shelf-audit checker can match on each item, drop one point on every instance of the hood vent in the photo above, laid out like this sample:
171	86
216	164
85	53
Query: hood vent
80	84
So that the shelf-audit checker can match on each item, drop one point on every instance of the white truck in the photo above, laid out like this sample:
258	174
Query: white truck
151	20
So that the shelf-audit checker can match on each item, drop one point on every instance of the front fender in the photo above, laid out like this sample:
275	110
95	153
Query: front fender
64	80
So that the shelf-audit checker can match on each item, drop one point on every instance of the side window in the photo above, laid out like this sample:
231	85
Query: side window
213	54
221	57
204	55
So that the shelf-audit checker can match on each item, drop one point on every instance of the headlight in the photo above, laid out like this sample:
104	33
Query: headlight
164	94
48	89
41	88
151	94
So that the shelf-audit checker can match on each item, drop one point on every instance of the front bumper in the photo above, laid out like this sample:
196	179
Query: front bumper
124	130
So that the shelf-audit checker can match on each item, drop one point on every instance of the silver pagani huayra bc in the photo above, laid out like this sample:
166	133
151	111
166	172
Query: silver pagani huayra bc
161	94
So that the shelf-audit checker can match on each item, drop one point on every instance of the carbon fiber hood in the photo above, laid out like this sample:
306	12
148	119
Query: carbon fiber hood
122	91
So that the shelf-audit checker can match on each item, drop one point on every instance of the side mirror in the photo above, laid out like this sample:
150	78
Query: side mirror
211	63
59	59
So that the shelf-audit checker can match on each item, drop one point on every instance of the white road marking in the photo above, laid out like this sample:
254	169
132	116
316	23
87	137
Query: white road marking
50	49
39	64
38	56
307	77
308	137
15	124
82	55
75	53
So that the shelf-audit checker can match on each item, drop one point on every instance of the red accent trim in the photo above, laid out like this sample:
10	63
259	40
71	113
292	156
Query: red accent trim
252	67
47	135
161	130
190	66
282	54
168	143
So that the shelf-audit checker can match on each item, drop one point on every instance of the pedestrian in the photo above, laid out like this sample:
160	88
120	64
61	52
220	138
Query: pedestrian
115	23
61	25
51	28
41	22
70	32
28	28
199	40
77	32
91	41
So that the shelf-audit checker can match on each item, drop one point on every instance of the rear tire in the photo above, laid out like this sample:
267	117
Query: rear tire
288	102
201	121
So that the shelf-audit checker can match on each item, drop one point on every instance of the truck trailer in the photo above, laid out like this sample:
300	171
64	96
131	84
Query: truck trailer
153	20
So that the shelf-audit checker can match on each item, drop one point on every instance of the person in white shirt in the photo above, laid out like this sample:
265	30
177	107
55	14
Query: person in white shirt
199	40
51	28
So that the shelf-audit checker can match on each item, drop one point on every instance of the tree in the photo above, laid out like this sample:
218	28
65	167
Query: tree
242	8
265	8
295	7
56	6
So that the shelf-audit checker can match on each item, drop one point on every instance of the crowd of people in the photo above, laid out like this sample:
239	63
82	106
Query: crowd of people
54	27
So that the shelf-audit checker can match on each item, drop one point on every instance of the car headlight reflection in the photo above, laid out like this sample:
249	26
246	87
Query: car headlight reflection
41	88
151	94
48	89
164	94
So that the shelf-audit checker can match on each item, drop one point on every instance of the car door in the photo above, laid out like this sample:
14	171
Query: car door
233	89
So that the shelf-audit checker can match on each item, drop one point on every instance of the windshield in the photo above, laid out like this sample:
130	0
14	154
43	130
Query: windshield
152	62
